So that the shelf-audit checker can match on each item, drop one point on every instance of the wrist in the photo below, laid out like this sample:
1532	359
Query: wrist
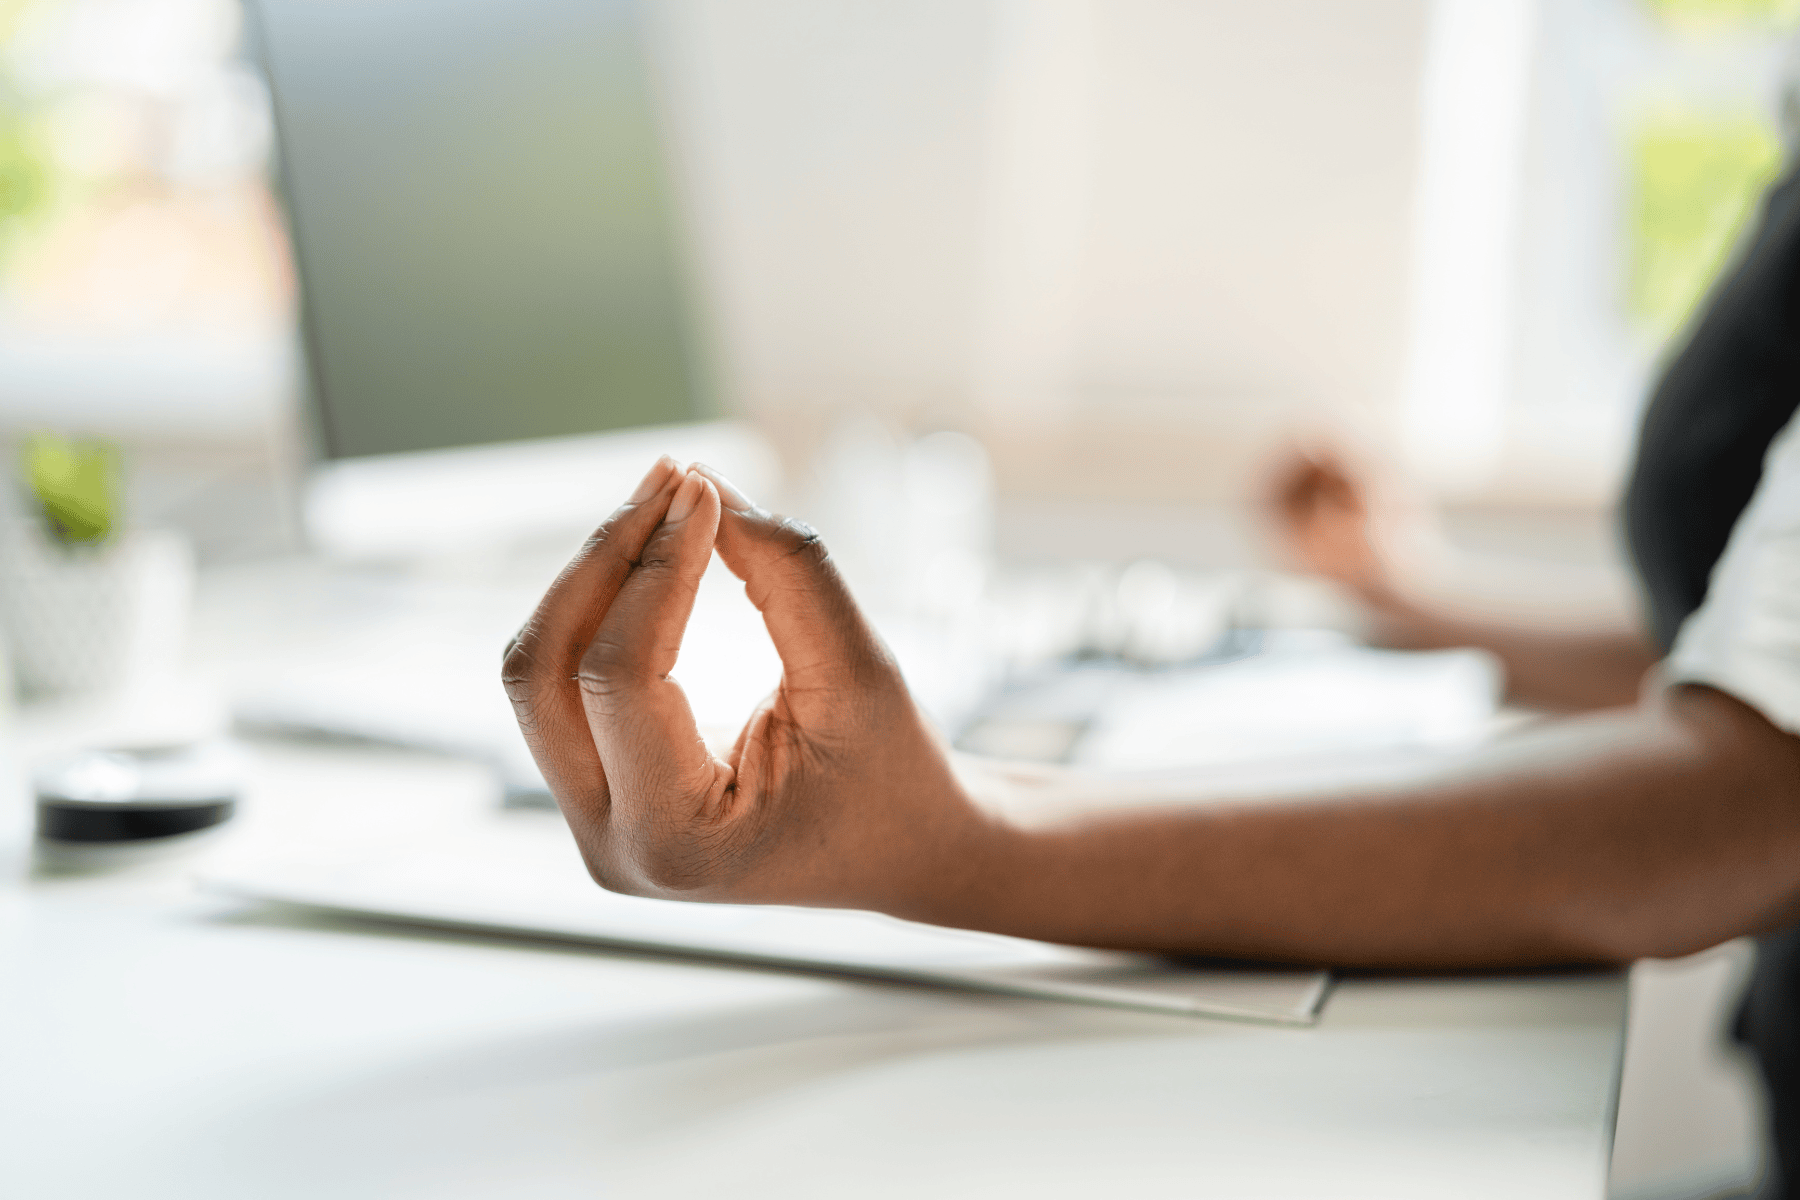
967	873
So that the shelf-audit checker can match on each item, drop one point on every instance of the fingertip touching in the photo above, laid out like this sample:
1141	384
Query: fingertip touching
638	639
545	648
789	576
729	496
689	496
654	479
747	530
756	538
682	541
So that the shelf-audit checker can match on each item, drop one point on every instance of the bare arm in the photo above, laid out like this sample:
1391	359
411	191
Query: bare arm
1562	670
1654	831
1324	514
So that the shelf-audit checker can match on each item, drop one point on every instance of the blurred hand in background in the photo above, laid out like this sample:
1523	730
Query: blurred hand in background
1338	521
1327	523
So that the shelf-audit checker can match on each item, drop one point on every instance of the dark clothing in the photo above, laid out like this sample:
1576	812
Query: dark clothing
1719	404
1766	1024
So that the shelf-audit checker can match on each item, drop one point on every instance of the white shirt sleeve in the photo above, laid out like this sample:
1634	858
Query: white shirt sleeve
1745	639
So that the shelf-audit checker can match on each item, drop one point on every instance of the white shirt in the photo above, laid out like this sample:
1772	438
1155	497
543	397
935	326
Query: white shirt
1745	639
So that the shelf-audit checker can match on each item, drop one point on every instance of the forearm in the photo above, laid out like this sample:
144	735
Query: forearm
1598	839
1560	670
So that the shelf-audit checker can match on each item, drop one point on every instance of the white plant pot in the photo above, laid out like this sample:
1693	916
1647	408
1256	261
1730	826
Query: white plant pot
82	620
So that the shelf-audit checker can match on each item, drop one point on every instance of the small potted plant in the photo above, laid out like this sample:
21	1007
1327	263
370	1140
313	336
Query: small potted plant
85	604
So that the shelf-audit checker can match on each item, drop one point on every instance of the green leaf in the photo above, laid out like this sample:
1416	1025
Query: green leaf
75	482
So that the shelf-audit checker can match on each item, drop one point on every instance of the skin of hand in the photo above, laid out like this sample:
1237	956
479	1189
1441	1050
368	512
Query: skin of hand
1326	519
1617	835
837	792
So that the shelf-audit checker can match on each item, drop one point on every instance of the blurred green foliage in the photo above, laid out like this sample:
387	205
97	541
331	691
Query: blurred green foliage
76	483
1694	181
1726	12
24	169
26	173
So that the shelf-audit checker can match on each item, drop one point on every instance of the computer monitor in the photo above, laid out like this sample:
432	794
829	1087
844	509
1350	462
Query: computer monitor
491	263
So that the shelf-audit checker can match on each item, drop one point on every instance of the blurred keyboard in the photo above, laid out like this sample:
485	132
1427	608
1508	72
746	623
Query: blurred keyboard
414	661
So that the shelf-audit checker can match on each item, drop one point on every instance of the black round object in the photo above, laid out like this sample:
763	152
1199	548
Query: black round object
138	795
62	822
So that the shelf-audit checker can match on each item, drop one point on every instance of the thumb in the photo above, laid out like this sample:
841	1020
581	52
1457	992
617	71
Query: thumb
822	636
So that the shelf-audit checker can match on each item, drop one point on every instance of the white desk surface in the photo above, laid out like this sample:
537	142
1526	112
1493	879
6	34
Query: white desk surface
156	1042
160	1043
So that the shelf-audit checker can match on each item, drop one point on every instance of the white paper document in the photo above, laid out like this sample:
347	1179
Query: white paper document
1295	702
522	876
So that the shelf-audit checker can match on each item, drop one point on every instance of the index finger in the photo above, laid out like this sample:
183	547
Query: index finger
542	662
639	717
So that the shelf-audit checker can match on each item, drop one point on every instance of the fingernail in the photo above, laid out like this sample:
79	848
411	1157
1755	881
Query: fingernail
687	498
653	481
734	499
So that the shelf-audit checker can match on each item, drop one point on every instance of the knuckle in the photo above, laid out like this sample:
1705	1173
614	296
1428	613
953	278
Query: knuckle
602	534
802	542
519	666
662	551
607	668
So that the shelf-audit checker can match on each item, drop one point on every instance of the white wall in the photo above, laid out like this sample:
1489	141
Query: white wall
1253	200
1094	231
832	152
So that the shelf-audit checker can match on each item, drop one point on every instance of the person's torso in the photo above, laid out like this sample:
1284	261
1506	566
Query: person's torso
1720	402
1718	405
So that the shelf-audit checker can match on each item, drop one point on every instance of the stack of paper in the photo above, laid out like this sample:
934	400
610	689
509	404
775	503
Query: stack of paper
522	876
